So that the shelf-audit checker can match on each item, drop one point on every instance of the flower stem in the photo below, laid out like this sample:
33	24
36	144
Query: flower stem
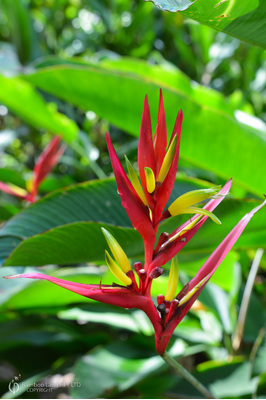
181	371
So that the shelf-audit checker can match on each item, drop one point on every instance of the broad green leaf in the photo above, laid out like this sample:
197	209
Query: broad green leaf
132	320
191	330
209	137
174	78
7	245
244	19
217	299
22	99
73	244
116	369
223	379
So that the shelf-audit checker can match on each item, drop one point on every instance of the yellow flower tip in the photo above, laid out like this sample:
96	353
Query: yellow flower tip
173	280
150	179
191	198
169	156
135	181
116	271
29	185
188	296
117	251
202	211
19	191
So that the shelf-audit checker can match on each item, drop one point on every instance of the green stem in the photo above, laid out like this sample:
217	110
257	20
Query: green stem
181	371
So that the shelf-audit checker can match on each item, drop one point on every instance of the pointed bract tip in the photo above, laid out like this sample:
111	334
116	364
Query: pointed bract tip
117	272
12	276
117	251
250	214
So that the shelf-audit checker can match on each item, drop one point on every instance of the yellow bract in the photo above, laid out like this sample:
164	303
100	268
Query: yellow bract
173	280
117	251
167	160
150	179
29	185
135	181
202	211
18	190
118	273
190	198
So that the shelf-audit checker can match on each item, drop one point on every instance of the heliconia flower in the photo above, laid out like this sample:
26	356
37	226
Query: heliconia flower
45	163
144	201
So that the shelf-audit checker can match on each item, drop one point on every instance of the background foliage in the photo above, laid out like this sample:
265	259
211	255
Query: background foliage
79	68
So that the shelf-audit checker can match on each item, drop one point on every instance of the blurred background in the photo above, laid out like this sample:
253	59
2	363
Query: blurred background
79	68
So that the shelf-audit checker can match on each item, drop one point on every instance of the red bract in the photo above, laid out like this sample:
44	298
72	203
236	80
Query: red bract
45	163
144	203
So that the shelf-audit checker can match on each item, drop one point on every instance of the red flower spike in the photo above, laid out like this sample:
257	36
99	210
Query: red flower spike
146	157
160	136
45	163
137	212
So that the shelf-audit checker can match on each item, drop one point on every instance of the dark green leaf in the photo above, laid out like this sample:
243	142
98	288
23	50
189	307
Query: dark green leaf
222	379
259	366
244	19
73	244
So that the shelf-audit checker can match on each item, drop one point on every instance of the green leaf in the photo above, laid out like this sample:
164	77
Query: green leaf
218	300
221	136
259	366
244	19
223	379
7	245
21	98
73	244
191	330
132	320
116	369
20	27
